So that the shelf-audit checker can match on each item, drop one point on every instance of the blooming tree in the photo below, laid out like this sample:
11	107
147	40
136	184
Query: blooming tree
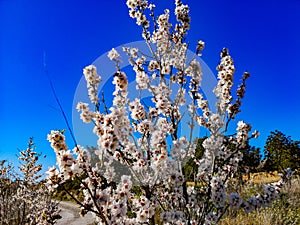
146	139
24	199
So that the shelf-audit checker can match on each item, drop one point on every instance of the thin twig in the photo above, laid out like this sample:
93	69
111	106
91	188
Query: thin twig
58	102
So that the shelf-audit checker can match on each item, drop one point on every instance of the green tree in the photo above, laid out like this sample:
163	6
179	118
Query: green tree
190	167
281	152
251	160
295	156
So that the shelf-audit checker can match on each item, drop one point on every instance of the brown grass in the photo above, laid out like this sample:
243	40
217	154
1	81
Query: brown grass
256	178
263	177
284	211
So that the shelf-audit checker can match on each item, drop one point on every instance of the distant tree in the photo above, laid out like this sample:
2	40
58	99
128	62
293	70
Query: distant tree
24	198
281	152
251	160
190	167
295	156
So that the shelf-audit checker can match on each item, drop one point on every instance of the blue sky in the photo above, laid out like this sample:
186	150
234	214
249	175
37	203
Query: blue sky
262	36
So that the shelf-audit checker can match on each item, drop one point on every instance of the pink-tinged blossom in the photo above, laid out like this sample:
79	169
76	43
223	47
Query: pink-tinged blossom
121	83
242	133
113	54
137	110
93	79
142	79
86	115
53	178
225	75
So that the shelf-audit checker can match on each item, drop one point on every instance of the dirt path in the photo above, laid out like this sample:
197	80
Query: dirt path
70	215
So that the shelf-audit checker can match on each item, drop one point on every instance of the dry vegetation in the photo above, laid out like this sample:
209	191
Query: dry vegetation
263	177
256	178
284	211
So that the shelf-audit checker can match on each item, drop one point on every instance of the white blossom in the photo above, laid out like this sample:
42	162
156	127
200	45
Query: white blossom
113	54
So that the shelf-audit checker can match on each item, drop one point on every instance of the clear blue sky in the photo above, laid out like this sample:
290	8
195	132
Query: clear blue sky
262	36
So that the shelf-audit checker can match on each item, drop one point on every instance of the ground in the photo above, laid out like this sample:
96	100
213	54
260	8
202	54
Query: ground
70	215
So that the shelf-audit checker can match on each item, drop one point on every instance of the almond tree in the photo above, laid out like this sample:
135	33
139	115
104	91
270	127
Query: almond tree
24	199
145	138
36	205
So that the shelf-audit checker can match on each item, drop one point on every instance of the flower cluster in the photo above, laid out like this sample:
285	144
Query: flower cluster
86	115
144	209
242	133
93	79
113	55
182	15
70	162
136	11
225	75
64	157
218	192
142	78
121	82
57	140
138	111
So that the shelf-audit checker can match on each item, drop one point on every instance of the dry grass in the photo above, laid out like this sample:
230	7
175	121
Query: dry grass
263	177
256	178
284	211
